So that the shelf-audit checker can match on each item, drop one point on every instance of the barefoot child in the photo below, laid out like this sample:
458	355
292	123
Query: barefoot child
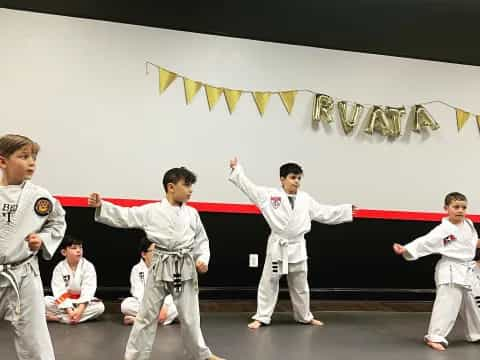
456	240
289	213
31	220
181	249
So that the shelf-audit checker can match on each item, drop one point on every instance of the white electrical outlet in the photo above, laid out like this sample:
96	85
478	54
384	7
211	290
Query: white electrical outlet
253	260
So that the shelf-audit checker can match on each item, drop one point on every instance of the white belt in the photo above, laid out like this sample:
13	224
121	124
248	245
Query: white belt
6	272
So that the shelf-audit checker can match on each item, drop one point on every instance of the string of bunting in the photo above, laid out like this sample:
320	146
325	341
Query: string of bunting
385	120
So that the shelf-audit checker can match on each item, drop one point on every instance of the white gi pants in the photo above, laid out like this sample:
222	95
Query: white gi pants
140	342
268	289
31	337
93	310
450	301
131	305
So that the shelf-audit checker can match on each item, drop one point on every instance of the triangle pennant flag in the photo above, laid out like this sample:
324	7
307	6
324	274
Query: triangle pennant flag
165	79
288	99
261	99
191	89
462	117
231	98
213	94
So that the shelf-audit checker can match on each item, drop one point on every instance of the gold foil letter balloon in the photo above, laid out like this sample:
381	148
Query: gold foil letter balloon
422	119
323	108
349	122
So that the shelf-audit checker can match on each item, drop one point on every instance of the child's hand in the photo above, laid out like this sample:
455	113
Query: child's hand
78	312
201	267
233	163
399	249
34	242
71	315
94	200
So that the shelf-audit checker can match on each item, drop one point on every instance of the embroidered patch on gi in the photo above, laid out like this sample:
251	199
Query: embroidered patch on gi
43	207
141	274
449	239
66	279
275	201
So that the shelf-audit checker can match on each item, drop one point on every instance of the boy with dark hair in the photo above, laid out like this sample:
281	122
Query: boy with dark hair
74	282
181	249
138	280
289	213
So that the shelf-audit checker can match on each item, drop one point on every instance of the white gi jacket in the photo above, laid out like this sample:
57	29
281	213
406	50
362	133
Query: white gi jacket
177	230
77	287
456	264
286	242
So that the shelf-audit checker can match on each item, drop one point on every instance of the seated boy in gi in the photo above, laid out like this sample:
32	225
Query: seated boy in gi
74	283
138	279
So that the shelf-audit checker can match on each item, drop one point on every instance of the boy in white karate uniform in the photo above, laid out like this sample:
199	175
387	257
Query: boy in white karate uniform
138	279
74	283
181	249
30	219
289	213
456	240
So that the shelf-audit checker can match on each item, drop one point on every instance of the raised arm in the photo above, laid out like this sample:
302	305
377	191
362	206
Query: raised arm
117	216
257	194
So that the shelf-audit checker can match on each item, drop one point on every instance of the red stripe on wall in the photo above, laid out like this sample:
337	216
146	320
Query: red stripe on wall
72	201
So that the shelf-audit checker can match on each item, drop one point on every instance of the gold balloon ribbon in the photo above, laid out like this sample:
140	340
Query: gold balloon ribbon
231	98
165	78
191	89
261	98
462	117
288	99
213	95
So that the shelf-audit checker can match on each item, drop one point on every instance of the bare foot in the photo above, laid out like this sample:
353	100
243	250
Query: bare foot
52	317
128	320
316	322
255	324
163	314
215	357
436	346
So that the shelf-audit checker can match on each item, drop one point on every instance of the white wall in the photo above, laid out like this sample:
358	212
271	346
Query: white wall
79	88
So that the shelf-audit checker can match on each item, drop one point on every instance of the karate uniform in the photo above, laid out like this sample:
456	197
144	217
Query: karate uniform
27	209
454	278
289	220
71	288
180	240
138	279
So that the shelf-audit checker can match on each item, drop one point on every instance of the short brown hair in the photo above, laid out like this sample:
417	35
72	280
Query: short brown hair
454	196
11	142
